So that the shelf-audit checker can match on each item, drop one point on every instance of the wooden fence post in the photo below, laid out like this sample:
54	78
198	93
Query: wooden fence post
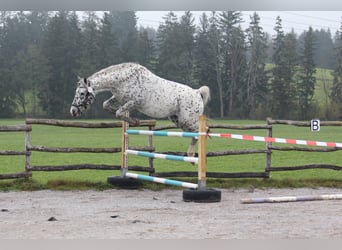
268	150
28	150
202	153
124	156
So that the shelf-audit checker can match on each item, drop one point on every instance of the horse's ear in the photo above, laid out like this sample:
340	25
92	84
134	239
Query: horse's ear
78	79
86	82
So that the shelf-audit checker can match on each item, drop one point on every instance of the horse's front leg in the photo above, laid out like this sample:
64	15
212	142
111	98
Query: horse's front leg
111	105
191	149
128	106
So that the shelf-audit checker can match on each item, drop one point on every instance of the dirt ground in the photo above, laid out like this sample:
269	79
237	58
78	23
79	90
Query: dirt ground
144	214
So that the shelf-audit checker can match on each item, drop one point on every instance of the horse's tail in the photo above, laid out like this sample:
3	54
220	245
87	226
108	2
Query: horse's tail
205	93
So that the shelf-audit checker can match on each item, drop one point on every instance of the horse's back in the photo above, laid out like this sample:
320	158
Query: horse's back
157	97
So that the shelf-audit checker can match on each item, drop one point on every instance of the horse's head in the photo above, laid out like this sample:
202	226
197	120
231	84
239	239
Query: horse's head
84	96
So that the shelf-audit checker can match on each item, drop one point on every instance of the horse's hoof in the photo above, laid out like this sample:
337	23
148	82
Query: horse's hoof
134	122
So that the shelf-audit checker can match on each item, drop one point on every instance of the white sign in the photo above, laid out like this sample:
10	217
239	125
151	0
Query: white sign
315	125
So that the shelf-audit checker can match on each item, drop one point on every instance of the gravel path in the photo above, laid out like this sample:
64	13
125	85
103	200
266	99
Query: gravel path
144	214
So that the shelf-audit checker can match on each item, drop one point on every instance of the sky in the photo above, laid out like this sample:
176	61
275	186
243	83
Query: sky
298	20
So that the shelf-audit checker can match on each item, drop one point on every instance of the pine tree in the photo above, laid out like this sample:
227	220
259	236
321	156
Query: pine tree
62	49
186	39
204	61
124	27
336	90
8	92
256	96
307	70
168	50
215	34
282	84
238	90
90	59
110	52
232	45
175	47
146	51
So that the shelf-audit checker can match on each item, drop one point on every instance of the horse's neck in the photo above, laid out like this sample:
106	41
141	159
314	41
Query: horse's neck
112	77
101	82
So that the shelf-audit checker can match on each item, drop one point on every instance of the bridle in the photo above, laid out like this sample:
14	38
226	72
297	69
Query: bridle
87	100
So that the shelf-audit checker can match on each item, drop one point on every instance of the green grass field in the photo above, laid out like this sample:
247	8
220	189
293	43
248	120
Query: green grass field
64	137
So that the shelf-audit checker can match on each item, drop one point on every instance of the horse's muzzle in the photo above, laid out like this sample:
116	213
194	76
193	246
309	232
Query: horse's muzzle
75	111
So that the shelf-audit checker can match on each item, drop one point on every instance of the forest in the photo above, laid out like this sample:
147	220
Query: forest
251	74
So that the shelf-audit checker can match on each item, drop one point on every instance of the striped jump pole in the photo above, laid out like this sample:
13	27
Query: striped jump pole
278	140
161	133
162	180
240	137
163	156
292	198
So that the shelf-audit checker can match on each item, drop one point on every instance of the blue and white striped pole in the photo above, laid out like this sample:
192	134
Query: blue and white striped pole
163	156
162	180
161	133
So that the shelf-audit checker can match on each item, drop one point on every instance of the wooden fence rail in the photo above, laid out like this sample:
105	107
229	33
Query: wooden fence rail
75	124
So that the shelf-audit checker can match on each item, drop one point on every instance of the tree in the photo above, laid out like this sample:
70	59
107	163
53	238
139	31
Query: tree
205	62
217	52
336	90
282	83
232	43
146	52
324	49
124	26
108	42
237	87
257	94
186	39
90	59
62	47
32	71
175	48
307	70
7	93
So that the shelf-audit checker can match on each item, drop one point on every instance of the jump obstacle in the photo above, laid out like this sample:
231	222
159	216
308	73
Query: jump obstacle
203	134
196	192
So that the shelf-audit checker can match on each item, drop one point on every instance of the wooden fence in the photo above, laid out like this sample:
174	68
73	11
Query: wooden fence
150	124
271	147
17	128
143	123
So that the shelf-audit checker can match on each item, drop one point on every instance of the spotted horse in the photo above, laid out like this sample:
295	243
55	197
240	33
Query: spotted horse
134	87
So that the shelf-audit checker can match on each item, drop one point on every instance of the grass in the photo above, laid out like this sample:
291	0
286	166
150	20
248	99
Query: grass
95	179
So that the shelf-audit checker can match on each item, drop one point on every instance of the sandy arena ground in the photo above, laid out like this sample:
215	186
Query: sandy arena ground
144	214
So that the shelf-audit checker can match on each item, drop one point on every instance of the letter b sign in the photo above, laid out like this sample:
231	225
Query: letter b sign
315	125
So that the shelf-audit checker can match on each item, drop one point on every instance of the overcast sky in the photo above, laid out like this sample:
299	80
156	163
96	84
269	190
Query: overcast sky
299	20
